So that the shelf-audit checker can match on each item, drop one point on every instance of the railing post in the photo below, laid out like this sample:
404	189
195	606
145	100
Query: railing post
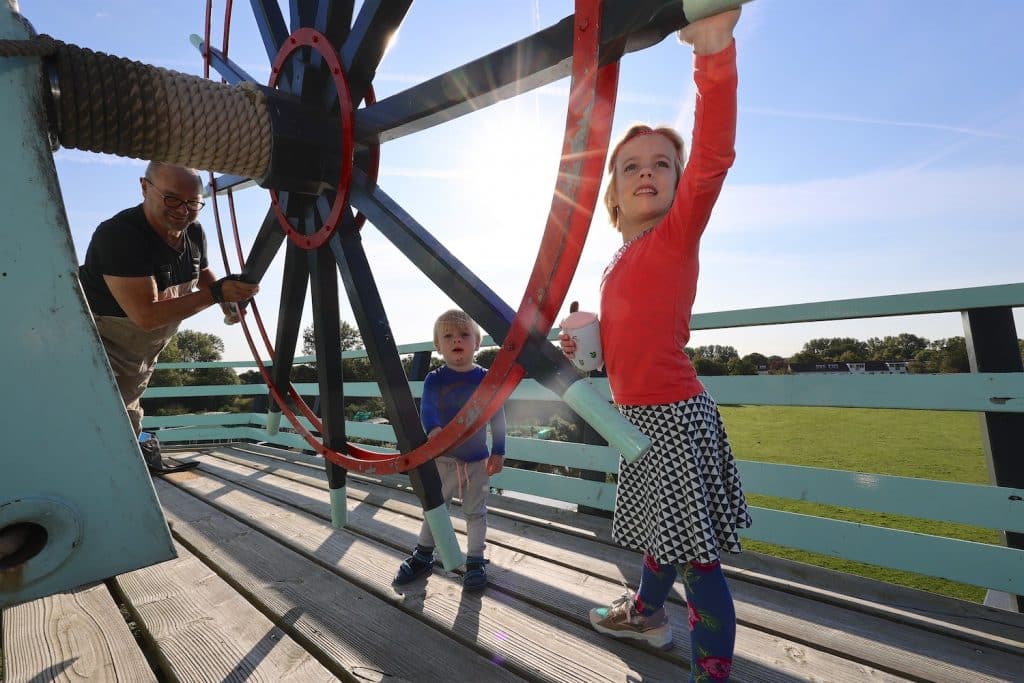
590	437
992	346
420	366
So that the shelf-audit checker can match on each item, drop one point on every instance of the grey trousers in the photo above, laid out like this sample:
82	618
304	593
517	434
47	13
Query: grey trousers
469	481
132	352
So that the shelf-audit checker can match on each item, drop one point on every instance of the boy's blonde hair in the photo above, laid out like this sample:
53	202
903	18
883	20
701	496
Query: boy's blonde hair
459	320
637	130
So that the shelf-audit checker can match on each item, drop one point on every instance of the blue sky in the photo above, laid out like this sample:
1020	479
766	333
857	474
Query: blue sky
880	150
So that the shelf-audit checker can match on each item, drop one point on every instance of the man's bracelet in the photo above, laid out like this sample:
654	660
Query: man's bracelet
217	291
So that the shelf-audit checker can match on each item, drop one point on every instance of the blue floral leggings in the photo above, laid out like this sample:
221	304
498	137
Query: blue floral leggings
712	617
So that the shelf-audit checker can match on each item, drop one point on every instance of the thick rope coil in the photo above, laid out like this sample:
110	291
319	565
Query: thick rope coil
118	106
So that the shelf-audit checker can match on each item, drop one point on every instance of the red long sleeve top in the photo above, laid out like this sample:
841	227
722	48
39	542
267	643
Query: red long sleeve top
647	294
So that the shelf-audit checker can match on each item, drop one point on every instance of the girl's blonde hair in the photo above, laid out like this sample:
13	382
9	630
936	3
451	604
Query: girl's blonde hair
459	320
634	131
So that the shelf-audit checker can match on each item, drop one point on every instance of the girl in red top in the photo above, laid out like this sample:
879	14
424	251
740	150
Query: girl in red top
681	503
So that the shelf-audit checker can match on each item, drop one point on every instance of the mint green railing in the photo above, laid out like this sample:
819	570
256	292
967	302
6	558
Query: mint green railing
1001	508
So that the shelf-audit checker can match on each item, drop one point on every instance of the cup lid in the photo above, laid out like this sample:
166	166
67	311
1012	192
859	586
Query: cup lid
578	319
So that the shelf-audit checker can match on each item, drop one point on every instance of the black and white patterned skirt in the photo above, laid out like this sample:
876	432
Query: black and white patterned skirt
683	500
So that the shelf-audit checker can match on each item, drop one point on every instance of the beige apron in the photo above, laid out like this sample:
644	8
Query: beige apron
132	352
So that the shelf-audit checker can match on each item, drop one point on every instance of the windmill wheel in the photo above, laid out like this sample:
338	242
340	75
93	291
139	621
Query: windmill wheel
327	61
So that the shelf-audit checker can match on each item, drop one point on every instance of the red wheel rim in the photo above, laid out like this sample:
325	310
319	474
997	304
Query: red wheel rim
584	149
308	37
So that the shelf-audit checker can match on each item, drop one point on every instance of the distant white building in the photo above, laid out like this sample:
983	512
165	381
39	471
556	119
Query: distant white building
871	367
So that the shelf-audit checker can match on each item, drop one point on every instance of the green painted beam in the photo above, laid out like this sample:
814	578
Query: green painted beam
942	301
206	419
556	453
180	436
305	389
70	465
976	505
992	507
972	392
979	505
918	303
977	564
554	487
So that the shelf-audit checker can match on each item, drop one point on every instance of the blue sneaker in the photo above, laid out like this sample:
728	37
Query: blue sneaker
412	568
475	578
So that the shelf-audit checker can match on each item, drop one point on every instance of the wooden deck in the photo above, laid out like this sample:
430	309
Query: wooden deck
265	590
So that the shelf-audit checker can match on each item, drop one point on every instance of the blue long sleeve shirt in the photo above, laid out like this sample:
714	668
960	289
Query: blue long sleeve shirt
445	391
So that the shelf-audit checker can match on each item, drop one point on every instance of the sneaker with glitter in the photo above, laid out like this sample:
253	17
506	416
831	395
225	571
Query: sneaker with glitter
621	620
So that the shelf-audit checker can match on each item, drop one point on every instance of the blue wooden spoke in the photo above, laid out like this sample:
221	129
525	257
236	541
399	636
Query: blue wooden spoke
537	60
541	360
309	76
381	350
294	286
271	26
327	340
228	182
366	43
228	70
375	331
333	18
264	247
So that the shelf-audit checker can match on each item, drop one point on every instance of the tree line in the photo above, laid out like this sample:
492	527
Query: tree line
922	356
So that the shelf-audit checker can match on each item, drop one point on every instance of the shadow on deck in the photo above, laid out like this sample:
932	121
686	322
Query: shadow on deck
265	589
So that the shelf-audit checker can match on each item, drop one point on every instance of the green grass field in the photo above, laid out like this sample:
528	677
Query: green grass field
924	444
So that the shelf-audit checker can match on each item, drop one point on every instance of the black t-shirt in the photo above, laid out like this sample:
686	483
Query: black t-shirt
126	246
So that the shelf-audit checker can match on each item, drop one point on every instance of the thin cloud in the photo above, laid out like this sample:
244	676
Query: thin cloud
979	194
846	118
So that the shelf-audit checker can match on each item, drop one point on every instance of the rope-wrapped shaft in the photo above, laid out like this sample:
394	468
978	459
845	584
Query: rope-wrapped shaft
118	106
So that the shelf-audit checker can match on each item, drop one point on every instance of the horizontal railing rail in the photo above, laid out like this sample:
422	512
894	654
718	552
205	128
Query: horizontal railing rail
990	507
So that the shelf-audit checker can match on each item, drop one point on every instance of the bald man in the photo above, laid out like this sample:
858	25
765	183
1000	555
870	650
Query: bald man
145	271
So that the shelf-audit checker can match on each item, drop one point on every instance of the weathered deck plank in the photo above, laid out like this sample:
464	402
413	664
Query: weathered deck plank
202	630
862	637
562	590
525	638
265	590
75	636
359	636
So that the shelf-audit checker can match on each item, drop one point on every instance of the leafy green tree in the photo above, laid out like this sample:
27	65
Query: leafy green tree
805	357
942	355
716	353
486	357
756	359
900	347
954	355
190	346
355	369
250	377
709	368
350	338
741	366
832	349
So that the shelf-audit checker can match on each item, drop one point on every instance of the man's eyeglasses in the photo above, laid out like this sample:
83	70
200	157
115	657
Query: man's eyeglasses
175	203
